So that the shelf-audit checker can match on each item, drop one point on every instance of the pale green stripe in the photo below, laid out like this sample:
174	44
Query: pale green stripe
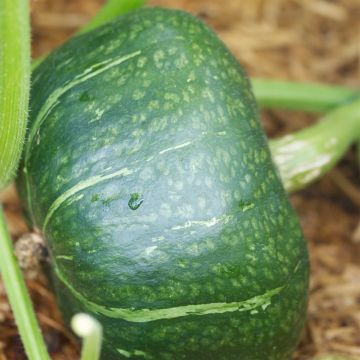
208	223
65	257
53	100
129	354
147	315
81	186
172	148
89	73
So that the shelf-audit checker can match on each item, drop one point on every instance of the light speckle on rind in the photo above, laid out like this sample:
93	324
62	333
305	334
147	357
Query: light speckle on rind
153	105
138	94
181	61
142	61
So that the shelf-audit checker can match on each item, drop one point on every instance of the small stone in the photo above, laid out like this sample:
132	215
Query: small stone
31	251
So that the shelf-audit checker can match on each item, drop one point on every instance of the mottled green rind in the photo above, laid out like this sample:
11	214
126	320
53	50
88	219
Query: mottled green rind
150	175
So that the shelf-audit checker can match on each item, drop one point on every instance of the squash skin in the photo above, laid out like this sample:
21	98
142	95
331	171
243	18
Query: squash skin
148	171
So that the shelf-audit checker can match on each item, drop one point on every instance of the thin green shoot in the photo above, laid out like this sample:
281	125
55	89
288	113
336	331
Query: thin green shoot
19	298
309	97
111	10
88	328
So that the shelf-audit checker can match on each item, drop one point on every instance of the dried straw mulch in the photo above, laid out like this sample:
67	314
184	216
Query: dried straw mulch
314	40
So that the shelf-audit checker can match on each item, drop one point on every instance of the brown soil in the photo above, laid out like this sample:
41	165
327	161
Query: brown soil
304	40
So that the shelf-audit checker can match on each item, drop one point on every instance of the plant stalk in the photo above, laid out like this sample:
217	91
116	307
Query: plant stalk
19	298
310	97
14	101
306	155
14	83
111	10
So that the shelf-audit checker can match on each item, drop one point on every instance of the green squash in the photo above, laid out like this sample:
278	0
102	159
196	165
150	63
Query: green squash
148	171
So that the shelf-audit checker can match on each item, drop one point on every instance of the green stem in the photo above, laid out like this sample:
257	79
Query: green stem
19	298
90	330
306	155
309	97
14	83
111	10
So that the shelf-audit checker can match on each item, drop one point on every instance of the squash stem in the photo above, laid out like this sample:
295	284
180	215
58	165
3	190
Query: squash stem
14	83
90	330
111	10
311	97
19	298
304	156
